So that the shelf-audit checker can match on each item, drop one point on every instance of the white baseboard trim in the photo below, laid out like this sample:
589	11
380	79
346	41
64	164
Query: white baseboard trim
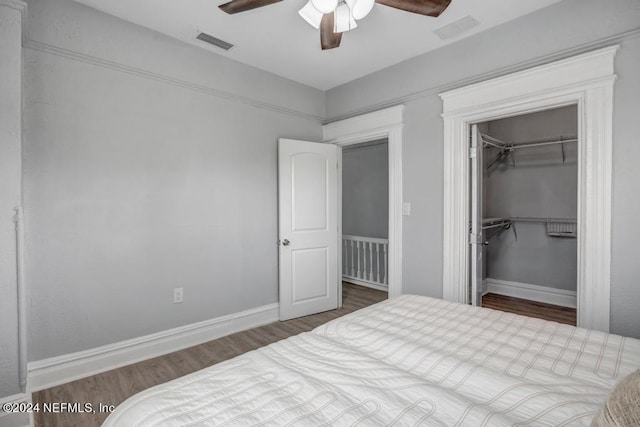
58	370
375	286
532	292
15	419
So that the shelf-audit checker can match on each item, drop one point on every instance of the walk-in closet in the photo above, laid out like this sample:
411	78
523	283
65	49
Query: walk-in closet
524	207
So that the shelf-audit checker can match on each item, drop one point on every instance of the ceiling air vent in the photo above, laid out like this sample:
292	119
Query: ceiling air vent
207	38
456	28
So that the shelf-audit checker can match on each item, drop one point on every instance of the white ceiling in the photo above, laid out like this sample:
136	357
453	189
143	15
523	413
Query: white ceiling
274	38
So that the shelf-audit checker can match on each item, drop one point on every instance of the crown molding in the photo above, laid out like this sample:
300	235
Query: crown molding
150	75
369	123
579	70
521	66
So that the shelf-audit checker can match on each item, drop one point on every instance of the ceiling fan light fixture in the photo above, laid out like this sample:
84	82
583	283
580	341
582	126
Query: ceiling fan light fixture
325	6
310	14
343	20
334	17
360	8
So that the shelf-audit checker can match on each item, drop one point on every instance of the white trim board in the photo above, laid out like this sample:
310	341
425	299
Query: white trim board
530	292
58	370
585	80
495	73
167	79
385	123
375	286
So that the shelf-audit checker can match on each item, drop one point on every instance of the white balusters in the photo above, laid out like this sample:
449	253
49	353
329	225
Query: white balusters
357	258
378	261
370	260
385	263
345	265
365	260
353	272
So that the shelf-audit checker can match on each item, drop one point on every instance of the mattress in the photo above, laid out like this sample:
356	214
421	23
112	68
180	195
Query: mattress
410	360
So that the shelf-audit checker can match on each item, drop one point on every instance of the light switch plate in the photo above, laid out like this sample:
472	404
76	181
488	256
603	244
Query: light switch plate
178	295
406	209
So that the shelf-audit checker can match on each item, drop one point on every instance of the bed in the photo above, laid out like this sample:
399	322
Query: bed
409	360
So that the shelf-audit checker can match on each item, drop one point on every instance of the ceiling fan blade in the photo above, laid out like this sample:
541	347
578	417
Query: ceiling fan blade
328	39
423	7
236	6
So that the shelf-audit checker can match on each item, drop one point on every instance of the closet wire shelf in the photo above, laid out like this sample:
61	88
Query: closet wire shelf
507	149
556	227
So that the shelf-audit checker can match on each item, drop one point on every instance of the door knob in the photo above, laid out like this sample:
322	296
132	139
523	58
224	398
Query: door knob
285	242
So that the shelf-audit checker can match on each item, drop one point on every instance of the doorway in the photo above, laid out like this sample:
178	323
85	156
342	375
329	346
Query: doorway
383	124
365	214
524	199
585	80
310	197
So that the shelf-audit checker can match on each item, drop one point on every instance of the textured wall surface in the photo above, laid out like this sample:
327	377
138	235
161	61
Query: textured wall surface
150	164
10	181
539	185
560	30
136	184
365	190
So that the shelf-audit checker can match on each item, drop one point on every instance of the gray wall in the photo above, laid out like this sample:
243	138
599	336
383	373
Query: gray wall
566	28
539	185
148	165
10	181
365	190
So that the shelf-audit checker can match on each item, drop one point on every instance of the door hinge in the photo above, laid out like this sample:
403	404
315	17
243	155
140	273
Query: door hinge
477	240
472	152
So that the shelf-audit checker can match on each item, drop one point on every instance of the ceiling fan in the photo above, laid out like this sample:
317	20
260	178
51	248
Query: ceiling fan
333	17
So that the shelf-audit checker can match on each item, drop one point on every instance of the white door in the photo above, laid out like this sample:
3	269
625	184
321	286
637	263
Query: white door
308	227
477	238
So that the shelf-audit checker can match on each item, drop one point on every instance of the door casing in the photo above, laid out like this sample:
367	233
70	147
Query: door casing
586	80
385	123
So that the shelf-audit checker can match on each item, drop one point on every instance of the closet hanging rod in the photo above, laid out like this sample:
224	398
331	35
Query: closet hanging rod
502	147
537	219
537	144
495	142
502	224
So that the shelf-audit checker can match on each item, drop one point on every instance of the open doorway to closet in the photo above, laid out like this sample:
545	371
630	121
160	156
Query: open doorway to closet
586	80
365	214
523	210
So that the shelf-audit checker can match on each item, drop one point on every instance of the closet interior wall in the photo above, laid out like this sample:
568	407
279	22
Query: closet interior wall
532	182
365	189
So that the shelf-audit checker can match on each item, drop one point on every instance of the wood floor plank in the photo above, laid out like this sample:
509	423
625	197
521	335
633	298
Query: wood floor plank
540	310
113	387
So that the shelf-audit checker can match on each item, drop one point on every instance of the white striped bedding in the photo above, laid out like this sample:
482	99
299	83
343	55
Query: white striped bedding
407	361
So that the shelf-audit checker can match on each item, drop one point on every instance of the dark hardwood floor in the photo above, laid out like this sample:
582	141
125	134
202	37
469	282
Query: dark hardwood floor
113	387
530	308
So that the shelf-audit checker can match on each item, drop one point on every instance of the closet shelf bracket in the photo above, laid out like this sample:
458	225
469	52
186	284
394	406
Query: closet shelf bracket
508	149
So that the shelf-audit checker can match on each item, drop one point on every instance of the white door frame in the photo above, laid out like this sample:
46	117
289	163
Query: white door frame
385	123
585	80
